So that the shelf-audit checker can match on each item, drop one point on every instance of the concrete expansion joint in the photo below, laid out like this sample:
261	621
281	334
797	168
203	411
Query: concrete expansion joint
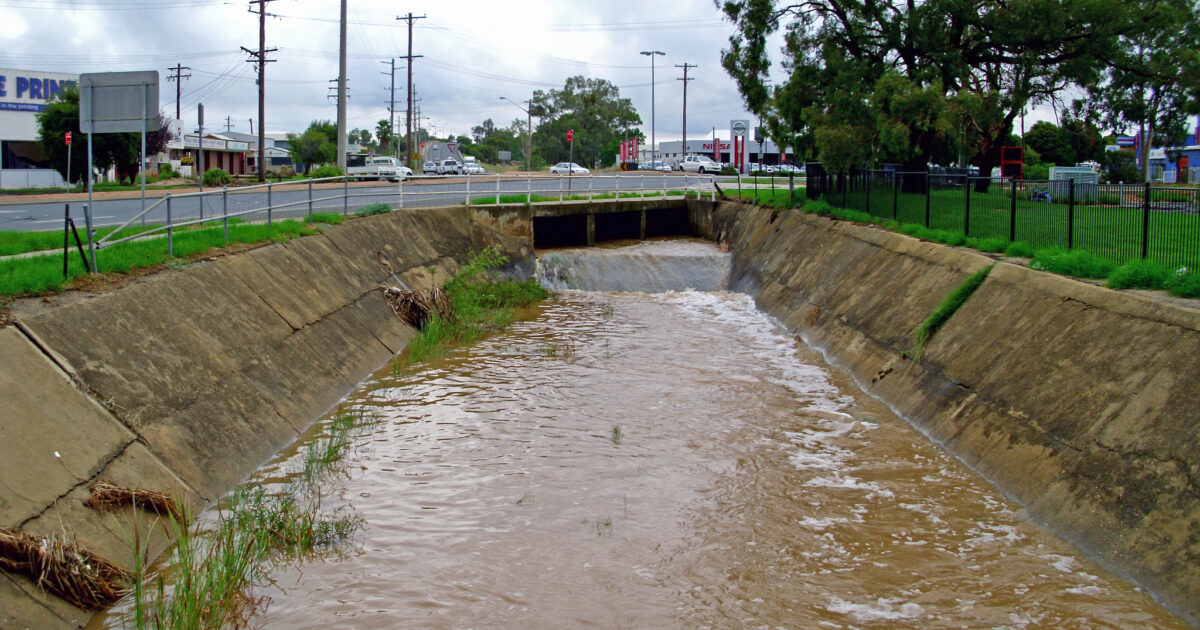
99	469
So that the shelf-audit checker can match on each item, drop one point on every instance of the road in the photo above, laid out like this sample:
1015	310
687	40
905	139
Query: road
419	192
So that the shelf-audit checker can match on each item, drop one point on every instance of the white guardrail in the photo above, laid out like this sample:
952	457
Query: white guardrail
302	199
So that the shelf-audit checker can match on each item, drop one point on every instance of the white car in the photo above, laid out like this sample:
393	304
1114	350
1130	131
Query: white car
659	165
473	168
568	168
699	164
430	168
449	166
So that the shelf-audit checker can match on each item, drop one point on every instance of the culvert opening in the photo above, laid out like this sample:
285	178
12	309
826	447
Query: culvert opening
563	231
619	225
667	222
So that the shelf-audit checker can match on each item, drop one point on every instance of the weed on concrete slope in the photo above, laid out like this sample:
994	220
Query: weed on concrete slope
206	582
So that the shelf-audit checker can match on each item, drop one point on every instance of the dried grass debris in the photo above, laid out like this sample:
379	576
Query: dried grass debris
65	569
416	307
107	495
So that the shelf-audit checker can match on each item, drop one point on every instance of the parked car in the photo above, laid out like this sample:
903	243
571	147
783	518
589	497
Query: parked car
568	168
789	168
659	165
449	166
473	168
380	167
430	168
699	164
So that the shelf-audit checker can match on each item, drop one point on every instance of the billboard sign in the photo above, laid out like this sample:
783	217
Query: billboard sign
115	102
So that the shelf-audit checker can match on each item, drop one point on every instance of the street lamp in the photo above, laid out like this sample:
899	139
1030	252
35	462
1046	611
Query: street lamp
653	142
528	128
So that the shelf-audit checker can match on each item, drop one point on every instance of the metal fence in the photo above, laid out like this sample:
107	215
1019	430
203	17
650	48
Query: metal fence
342	195
1117	221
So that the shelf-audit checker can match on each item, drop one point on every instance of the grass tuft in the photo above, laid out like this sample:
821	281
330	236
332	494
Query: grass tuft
1140	274
1074	262
213	566
373	208
946	309
481	303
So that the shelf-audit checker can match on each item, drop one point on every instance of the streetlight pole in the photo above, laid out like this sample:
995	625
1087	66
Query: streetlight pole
528	129
653	141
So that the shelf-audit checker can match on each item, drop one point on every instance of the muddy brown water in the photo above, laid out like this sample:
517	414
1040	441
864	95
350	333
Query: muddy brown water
671	460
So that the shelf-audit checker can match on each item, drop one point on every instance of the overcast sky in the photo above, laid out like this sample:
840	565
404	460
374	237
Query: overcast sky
473	52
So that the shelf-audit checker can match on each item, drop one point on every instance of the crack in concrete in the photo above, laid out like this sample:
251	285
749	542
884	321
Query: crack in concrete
1183	466
99	469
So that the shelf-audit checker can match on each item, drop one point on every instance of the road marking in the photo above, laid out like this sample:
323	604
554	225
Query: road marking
78	224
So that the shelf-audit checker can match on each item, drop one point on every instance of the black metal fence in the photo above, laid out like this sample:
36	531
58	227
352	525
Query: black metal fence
1117	221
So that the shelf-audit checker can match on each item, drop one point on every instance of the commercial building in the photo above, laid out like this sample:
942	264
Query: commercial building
24	93
672	152
1178	164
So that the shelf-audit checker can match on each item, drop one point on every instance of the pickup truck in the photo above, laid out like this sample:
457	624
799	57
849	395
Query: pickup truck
699	164
384	167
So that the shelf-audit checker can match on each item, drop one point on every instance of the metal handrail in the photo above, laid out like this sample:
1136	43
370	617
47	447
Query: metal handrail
534	184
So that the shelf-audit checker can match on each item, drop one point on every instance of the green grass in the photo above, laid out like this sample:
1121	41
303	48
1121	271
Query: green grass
331	218
373	208
946	309
205	582
1140	274
1175	278
1076	263
39	274
481	304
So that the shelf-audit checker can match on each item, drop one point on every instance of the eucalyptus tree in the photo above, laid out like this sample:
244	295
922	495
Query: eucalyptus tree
872	81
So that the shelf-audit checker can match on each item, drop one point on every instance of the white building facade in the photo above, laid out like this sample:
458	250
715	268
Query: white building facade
24	93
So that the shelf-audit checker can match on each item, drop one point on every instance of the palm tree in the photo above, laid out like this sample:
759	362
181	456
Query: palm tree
383	131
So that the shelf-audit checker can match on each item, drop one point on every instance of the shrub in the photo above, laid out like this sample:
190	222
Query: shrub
994	244
1140	274
374	208
328	170
216	177
1185	283
817	206
166	171
728	170
1074	262
1019	249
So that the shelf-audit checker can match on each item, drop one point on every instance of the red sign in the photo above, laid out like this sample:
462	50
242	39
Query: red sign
68	138
570	135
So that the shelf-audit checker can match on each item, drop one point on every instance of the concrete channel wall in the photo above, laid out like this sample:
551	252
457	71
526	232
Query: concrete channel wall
187	380
1079	402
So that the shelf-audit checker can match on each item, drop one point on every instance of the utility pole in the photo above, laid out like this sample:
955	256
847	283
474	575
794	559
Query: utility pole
260	57
178	78
686	66
251	126
653	141
392	105
409	116
341	95
228	123
335	90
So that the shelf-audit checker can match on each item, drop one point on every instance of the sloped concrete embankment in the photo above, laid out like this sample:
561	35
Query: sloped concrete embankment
186	381
1080	402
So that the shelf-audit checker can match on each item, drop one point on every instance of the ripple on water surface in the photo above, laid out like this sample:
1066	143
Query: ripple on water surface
673	461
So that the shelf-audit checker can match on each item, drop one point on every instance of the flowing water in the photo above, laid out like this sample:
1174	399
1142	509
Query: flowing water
670	460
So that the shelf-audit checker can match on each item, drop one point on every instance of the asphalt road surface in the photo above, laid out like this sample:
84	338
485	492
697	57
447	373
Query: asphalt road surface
419	192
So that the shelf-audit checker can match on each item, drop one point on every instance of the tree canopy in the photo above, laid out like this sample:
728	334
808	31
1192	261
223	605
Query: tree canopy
119	150
896	81
597	113
317	145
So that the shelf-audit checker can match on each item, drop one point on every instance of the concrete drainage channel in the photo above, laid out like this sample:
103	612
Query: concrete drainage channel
1077	401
